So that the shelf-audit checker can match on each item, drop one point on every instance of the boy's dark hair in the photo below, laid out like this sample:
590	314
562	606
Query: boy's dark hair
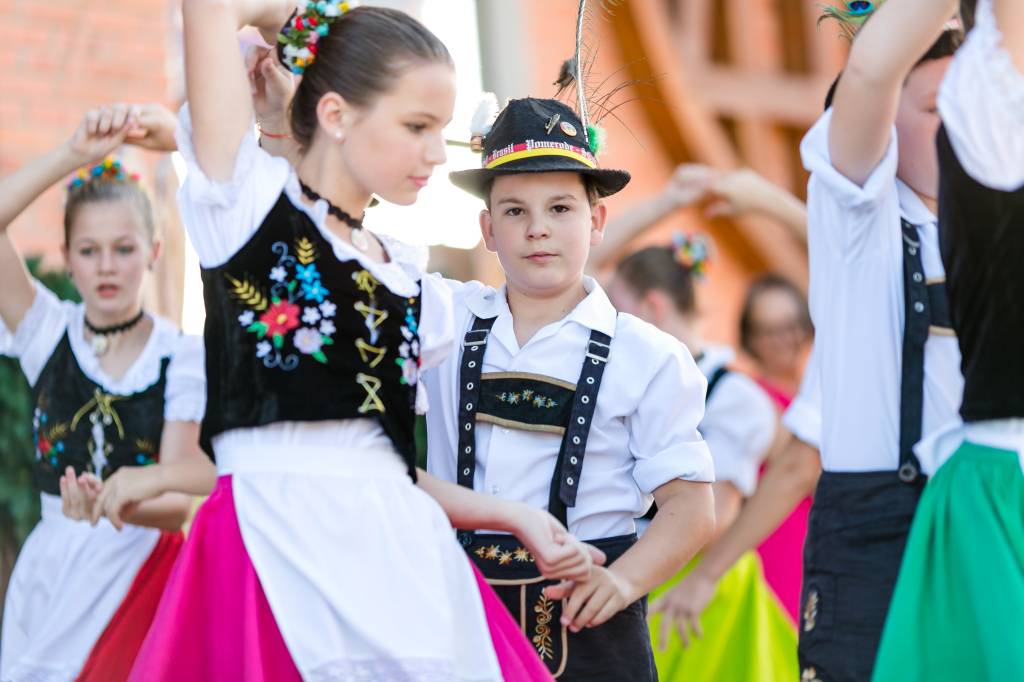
656	267
763	285
108	189
946	46
589	186
366	50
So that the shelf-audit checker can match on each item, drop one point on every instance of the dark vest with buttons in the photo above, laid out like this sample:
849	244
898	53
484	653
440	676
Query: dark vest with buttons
294	334
981	233
77	423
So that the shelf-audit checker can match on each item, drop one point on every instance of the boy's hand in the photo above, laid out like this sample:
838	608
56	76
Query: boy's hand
559	555
78	494
682	606
153	129
594	601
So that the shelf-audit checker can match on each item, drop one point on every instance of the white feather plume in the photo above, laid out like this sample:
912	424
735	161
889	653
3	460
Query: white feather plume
483	118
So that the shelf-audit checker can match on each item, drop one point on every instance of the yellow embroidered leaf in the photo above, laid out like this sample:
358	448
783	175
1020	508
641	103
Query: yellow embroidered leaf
248	292
305	251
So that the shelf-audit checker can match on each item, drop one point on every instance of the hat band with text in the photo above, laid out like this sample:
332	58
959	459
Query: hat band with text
533	148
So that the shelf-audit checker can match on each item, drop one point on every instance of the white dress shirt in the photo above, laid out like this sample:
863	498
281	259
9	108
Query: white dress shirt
643	434
803	416
856	302
739	422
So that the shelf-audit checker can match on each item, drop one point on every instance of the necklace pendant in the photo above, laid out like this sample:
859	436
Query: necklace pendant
359	240
100	344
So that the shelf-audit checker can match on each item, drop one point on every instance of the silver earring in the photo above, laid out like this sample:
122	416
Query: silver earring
337	135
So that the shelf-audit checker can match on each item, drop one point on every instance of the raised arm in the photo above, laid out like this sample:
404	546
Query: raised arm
1010	20
867	97
218	89
100	133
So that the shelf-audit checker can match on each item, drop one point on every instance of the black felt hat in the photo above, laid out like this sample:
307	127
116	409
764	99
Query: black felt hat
537	136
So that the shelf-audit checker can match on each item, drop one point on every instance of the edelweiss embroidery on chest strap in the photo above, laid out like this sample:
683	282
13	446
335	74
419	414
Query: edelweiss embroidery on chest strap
529	402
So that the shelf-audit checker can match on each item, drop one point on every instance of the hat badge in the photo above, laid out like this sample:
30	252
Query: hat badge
568	128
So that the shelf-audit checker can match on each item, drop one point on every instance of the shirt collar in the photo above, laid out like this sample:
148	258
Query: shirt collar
594	312
911	206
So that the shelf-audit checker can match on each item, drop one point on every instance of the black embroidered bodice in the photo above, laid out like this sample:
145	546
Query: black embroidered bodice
79	424
294	334
981	233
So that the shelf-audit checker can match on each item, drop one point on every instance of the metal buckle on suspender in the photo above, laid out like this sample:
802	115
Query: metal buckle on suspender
598	351
470	340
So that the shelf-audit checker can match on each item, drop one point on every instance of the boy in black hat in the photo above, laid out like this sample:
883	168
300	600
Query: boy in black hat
515	416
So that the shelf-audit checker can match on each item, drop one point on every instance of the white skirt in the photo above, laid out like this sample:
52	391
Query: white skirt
360	567
68	581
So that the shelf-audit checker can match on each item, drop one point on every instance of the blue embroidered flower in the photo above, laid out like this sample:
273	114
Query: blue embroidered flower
307	273
314	291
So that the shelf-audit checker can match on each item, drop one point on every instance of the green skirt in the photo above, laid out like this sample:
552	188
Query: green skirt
958	609
747	633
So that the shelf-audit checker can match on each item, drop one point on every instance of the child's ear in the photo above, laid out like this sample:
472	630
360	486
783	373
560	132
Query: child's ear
154	252
598	219
486	230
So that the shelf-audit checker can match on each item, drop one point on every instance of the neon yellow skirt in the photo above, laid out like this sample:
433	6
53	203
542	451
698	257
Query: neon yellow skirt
747	633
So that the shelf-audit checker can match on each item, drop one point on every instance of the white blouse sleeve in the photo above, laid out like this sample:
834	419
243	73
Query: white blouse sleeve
437	325
663	435
845	215
185	392
981	102
739	427
803	417
39	332
221	217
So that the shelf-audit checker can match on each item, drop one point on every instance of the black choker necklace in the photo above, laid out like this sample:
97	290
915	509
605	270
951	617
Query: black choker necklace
100	335
358	236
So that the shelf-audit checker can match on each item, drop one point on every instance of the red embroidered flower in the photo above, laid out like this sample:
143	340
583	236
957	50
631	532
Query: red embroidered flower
44	446
280	318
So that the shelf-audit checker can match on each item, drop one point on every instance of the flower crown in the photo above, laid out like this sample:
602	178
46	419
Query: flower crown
109	169
692	252
308	25
852	18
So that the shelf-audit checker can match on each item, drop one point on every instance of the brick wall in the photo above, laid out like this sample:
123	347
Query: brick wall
58	58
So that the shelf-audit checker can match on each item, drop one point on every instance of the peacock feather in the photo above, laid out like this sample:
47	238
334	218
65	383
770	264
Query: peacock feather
851	17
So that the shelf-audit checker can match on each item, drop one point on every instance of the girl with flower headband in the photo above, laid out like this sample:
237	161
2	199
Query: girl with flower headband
657	284
317	555
115	390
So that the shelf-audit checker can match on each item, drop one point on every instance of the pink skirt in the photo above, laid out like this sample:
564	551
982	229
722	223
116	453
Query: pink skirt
214	621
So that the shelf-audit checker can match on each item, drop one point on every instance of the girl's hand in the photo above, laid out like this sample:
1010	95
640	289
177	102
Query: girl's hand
739	192
272	88
689	184
102	131
123	492
559	555
154	129
682	605
78	494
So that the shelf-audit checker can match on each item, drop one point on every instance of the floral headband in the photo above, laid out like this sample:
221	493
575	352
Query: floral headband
107	169
692	252
308	25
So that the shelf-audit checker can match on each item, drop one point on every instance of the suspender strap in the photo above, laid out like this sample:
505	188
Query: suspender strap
569	466
473	346
917	319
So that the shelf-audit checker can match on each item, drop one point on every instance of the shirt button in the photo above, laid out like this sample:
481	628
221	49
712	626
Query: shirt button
495	490
504	430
